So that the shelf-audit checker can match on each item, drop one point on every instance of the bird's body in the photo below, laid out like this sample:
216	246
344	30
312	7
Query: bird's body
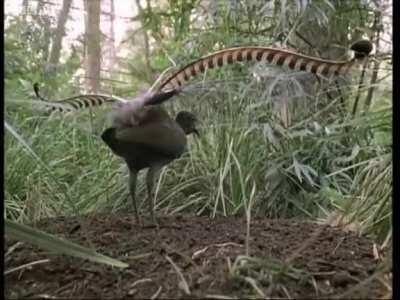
152	141
156	138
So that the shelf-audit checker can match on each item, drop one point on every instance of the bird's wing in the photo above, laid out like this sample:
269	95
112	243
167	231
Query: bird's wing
167	137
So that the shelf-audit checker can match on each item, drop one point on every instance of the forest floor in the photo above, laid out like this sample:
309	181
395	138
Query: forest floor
323	261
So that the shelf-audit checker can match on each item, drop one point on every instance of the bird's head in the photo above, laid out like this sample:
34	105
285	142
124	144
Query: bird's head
361	48
188	122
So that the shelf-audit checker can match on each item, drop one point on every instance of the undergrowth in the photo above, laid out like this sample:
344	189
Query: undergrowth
324	160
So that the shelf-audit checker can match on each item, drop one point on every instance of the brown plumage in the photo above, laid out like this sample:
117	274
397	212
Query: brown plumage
152	142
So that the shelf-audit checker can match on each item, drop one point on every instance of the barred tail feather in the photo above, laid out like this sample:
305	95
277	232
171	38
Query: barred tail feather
273	56
77	102
173	84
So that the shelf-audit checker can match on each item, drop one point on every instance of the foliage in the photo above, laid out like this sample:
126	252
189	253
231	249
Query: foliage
322	158
26	51
54	244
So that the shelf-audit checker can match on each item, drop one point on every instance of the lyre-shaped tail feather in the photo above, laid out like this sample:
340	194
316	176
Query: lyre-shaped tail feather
273	56
77	102
93	100
173	84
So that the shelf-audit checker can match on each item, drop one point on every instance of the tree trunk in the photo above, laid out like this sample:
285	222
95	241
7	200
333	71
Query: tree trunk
59	34
93	49
25	9
111	53
374	78
145	36
40	6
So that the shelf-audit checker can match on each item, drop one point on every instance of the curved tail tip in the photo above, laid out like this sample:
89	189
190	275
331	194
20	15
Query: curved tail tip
36	89
108	136
362	48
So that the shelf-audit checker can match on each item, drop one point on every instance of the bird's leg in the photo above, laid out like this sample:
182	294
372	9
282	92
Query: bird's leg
132	188
152	175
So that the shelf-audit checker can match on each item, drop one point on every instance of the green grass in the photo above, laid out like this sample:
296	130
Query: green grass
246	162
322	161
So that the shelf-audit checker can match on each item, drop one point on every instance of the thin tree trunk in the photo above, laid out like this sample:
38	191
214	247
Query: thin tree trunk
42	19
374	77
59	34
93	49
111	40
360	87
145	37
40	6
46	37
25	9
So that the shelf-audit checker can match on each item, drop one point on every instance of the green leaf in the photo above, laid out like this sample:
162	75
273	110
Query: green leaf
55	244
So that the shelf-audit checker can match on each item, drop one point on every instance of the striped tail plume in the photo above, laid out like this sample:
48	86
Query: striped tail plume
80	102
77	102
273	56
174	83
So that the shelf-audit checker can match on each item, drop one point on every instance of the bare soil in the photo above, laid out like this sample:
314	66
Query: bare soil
324	261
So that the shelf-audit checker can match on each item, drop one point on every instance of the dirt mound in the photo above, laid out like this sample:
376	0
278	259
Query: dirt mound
208	254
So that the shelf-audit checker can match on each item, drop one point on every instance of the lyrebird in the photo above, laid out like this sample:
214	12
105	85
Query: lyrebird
144	134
